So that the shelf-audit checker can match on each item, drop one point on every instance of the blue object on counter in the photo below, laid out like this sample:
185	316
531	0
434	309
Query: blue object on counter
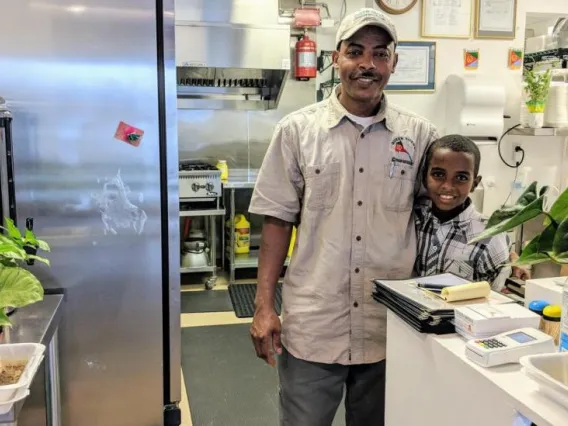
537	306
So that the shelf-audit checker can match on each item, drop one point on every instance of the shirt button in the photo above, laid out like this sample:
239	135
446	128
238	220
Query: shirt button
358	238
361	170
402	172
355	305
356	270
362	135
359	203
317	171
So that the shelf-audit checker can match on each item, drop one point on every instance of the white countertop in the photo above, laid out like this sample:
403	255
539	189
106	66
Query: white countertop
432	374
522	390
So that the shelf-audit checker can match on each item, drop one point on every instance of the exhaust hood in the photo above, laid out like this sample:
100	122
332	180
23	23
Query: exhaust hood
231	54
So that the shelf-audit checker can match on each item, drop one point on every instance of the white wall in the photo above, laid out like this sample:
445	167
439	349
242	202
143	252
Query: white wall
542	153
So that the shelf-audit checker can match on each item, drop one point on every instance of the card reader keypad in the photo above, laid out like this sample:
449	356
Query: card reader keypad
490	343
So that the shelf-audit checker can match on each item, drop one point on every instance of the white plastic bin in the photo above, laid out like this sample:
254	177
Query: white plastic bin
550	371
33	353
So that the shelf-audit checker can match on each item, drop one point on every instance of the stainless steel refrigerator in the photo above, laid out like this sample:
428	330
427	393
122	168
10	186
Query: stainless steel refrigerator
83	80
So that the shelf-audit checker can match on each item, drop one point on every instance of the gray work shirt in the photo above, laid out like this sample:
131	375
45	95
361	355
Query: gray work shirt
351	190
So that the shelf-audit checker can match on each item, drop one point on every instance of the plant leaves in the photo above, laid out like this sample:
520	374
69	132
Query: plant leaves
559	209
560	244
43	246
4	320
18	287
39	259
11	251
537	249
524	215
528	195
561	258
13	231
502	215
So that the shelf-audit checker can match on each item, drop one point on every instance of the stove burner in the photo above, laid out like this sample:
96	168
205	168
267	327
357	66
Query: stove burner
196	166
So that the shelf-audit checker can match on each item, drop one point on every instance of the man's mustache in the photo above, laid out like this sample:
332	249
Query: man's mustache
370	75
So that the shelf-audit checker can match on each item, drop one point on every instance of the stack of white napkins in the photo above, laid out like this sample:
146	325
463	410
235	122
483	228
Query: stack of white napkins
481	321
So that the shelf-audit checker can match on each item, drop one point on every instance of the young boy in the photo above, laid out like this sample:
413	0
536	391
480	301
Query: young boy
446	219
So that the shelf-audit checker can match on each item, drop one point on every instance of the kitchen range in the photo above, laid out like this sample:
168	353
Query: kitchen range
200	206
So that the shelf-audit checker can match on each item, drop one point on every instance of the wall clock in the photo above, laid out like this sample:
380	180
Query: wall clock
396	7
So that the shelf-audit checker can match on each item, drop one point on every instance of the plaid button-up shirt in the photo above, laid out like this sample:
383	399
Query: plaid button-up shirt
443	247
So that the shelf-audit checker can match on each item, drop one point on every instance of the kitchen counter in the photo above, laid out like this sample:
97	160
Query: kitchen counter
38	323
430	382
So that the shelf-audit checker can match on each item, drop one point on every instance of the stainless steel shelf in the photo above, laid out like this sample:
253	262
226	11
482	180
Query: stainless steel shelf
241	178
216	90
250	260
206	212
197	269
545	131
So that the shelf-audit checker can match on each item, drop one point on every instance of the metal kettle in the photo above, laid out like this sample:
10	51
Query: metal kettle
195	251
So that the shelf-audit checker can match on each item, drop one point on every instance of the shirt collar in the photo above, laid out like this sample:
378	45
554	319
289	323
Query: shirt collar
336	111
461	221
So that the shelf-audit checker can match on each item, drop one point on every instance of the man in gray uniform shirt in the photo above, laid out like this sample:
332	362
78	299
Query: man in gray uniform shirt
344	170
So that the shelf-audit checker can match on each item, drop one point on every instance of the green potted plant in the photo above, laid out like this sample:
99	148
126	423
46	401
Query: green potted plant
552	243
537	86
18	286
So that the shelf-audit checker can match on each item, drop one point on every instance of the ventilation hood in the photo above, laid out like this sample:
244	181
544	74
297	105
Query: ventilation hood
231	54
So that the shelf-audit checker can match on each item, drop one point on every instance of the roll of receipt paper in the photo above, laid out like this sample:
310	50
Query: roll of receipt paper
466	291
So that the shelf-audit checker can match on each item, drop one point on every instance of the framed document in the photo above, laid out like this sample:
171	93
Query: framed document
447	18
416	68
495	19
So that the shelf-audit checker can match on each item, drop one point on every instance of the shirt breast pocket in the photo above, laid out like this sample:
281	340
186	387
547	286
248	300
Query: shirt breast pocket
322	186
398	187
461	268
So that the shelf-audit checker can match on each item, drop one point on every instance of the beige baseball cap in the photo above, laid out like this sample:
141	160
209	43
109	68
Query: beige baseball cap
363	17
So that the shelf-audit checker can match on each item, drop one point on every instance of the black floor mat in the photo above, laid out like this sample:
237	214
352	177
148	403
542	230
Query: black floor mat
205	301
227	385
242	298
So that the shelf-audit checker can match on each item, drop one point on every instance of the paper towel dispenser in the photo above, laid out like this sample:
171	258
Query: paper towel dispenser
475	106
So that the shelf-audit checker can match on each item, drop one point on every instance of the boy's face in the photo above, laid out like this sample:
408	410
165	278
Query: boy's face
450	178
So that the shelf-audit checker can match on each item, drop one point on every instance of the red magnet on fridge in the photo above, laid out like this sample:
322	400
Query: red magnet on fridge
129	134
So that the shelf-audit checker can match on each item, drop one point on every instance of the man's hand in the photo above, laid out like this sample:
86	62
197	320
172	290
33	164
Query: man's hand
265	333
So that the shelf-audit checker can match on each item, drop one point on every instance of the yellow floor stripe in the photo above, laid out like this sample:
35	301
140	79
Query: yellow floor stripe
184	405
212	318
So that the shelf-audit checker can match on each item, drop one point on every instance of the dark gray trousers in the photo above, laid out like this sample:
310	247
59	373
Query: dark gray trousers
311	392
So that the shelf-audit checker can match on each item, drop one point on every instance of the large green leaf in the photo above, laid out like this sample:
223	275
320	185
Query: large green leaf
559	209
527	213
12	229
560	244
528	195
502	214
18	287
11	251
538	248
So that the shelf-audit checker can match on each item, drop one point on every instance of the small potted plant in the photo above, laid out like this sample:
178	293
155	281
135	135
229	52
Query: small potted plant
18	286
537	86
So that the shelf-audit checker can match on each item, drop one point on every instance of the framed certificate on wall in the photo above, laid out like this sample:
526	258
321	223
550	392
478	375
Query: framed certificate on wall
416	68
496	19
447	18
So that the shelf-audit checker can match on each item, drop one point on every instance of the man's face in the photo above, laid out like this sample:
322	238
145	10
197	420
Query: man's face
365	63
451	177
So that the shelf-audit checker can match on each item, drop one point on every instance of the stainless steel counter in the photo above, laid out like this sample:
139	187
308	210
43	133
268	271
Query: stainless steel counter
241	178
38	323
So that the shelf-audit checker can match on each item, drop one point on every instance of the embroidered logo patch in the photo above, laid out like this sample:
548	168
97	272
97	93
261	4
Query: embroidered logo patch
403	150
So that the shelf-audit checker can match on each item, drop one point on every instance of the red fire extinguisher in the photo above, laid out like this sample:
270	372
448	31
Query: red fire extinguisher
306	58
